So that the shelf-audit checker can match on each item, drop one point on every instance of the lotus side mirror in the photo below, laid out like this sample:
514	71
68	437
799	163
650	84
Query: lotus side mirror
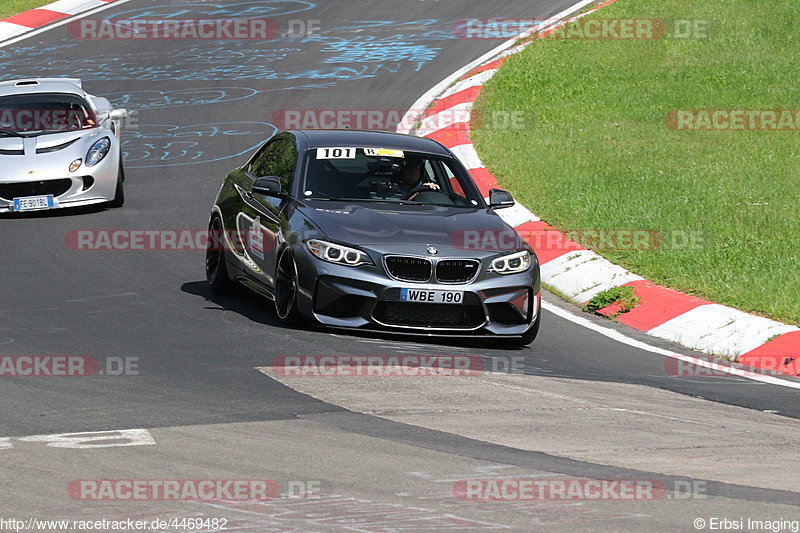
118	114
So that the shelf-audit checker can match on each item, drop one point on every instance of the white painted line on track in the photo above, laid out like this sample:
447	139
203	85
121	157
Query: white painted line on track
87	440
624	339
43	29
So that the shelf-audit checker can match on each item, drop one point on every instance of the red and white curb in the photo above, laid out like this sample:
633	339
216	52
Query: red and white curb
578	273
23	23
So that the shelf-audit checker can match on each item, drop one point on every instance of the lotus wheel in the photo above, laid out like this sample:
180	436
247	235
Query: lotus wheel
119	193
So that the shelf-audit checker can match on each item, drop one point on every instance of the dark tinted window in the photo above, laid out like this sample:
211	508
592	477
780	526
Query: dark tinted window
278	158
387	175
45	112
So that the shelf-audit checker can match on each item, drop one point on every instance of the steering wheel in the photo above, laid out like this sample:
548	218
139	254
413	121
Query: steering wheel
420	188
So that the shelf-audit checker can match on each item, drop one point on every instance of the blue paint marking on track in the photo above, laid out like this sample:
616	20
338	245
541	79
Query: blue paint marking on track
260	9
151	99
365	55
212	61
168	145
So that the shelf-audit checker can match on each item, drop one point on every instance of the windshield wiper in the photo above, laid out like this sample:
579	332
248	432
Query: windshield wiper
399	201
327	198
9	133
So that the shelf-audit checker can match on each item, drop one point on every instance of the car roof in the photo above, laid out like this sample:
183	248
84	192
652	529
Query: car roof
42	85
370	139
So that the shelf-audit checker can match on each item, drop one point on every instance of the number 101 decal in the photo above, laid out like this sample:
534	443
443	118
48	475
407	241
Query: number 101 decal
336	153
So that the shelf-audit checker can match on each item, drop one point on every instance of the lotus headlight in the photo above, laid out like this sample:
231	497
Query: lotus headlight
98	151
512	263
336	253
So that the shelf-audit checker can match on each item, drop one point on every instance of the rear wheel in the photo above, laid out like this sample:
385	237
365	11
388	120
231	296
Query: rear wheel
286	289
216	267
119	193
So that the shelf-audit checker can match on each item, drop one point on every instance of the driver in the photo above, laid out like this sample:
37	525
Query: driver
410	178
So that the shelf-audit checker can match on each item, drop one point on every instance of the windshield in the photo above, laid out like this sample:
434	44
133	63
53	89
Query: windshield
45	113
387	175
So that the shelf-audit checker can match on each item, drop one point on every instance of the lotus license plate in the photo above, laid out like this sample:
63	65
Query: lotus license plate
31	203
431	296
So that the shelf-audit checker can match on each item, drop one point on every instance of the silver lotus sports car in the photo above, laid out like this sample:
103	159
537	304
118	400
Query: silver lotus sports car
59	146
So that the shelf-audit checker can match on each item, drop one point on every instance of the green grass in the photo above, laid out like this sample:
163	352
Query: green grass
623	296
12	7
599	154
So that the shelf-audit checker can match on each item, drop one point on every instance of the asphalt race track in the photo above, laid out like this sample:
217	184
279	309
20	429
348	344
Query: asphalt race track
200	108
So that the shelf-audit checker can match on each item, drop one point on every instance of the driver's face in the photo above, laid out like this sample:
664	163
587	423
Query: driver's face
411	174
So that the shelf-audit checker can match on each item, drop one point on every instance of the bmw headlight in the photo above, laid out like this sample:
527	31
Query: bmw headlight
512	263
336	253
98	151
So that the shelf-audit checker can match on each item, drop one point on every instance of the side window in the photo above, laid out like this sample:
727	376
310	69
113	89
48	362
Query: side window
454	184
428	171
278	158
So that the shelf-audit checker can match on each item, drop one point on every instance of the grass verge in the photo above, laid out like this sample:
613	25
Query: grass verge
12	7
601	155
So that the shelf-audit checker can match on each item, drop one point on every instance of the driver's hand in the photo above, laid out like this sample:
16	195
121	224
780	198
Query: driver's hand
432	185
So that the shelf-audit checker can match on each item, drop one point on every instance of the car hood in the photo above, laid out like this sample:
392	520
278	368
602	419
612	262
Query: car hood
47	155
391	224
44	141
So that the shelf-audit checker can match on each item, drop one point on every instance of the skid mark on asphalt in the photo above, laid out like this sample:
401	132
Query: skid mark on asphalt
94	298
353	514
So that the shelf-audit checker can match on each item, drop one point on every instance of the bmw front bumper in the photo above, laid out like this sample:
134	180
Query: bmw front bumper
368	298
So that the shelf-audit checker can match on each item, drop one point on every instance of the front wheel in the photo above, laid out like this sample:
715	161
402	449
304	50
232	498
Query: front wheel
216	268
119	193
530	335
286	289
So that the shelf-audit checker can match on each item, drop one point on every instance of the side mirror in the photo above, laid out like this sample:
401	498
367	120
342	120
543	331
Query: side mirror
118	114
499	198
102	105
268	186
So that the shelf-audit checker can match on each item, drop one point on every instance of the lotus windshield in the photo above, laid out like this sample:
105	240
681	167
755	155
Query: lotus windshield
387	175
45	113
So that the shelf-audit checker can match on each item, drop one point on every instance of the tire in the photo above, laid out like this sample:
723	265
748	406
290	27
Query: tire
286	289
530	335
216	265
119	193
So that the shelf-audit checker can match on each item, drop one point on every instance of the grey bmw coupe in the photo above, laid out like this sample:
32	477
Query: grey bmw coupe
371	230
